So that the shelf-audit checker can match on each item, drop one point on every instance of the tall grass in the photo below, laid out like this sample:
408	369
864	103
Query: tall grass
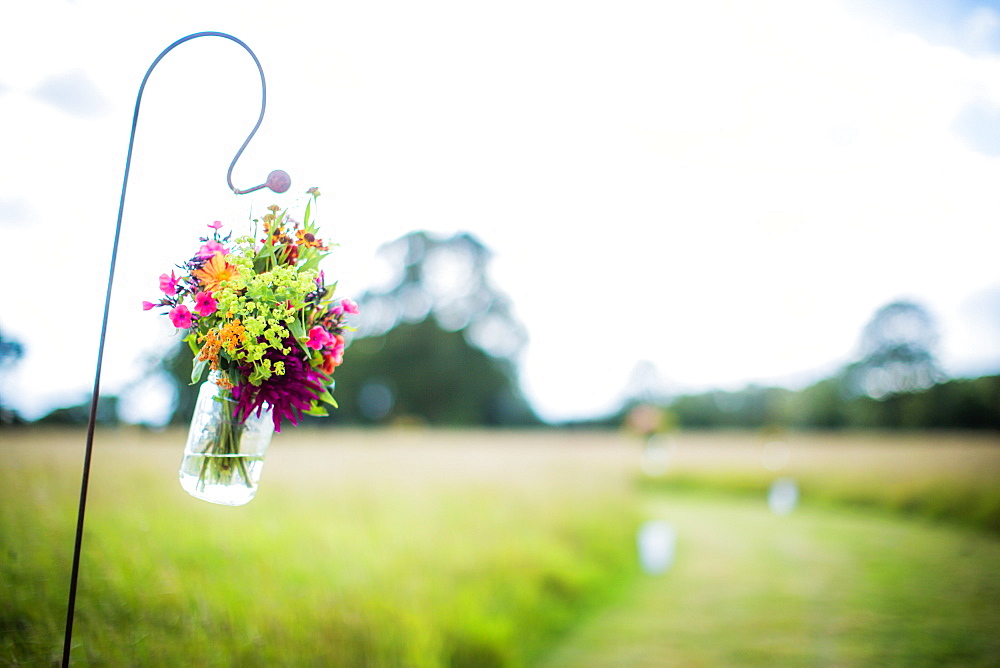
354	553
428	548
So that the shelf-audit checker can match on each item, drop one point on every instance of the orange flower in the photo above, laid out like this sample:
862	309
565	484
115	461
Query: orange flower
233	336
210	350
214	272
309	240
224	382
329	363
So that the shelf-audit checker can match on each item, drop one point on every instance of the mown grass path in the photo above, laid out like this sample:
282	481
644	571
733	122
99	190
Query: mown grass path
821	587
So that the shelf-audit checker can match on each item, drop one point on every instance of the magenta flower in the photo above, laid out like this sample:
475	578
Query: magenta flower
216	225
148	305
346	306
211	248
168	284
180	316
205	304
319	338
338	350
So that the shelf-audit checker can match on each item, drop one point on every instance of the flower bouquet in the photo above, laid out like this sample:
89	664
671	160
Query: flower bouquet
260	318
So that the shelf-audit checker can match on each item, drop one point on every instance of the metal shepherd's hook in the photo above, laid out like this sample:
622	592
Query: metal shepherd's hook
278	181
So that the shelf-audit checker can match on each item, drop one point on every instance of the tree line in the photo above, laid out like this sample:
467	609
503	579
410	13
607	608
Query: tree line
895	383
439	345
828	404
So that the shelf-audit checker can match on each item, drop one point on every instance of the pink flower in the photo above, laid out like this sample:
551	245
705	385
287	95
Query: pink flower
332	358
168	284
205	304
148	305
346	306
211	248
180	316
319	338
216	225
338	349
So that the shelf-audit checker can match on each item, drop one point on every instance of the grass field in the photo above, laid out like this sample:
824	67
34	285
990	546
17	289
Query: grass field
360	549
422	548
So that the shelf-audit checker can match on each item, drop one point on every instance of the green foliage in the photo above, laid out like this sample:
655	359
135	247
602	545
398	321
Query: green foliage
895	384
438	345
107	413
753	407
177	365
967	403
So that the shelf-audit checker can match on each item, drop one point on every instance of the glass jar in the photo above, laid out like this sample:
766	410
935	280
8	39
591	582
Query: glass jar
224	456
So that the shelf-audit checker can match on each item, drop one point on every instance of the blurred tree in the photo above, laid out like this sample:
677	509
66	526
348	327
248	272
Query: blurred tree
821	405
107	413
895	383
421	372
967	403
176	365
753	406
10	352
897	353
438	342
447	279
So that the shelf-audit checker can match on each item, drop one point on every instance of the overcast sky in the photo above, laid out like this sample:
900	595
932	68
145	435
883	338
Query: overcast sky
728	190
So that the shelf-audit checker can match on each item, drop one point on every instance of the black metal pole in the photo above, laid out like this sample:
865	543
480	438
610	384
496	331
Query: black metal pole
278	181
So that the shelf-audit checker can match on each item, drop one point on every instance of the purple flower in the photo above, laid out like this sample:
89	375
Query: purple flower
287	395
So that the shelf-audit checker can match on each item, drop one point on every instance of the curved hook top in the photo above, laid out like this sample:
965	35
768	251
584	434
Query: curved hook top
278	181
